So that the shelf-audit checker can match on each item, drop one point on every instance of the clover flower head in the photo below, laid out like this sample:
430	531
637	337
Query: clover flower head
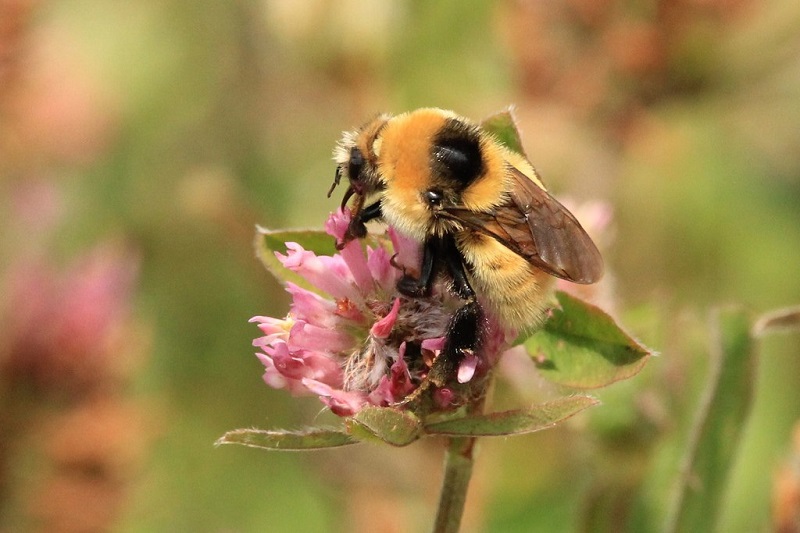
351	338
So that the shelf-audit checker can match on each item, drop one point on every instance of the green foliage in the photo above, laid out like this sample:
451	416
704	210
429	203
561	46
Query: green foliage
718	426
581	346
504	128
312	439
516	422
389	425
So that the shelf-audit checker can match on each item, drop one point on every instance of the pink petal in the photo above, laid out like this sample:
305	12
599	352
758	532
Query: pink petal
303	364
381	269
269	325
323	368
337	224
382	394
285	362
400	381
443	397
396	386
383	327
436	344
353	255
409	251
311	307
276	380
327	273
304	336
269	340
335	266
340	402
467	368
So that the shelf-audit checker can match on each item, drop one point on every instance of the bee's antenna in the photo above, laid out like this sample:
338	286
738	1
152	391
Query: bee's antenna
336	179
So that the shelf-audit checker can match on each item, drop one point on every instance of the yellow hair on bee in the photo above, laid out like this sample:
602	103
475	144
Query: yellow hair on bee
488	190
519	162
410	136
513	290
362	138
406	168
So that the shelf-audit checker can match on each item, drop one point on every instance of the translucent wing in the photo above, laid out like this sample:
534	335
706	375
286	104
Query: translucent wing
536	226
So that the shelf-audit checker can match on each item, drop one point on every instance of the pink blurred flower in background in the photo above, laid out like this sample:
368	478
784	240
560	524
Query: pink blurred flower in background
63	329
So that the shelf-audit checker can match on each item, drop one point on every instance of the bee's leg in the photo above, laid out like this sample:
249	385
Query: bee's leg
455	266
419	287
371	212
357	229
462	339
463	331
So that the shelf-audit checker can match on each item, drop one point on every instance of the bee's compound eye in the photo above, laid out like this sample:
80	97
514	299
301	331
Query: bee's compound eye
356	164
433	197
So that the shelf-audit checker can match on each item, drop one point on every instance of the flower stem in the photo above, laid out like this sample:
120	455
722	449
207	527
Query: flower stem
457	472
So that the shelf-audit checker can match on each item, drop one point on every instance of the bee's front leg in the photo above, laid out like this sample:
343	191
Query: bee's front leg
357	228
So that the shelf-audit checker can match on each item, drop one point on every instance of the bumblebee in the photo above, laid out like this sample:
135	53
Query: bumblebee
481	212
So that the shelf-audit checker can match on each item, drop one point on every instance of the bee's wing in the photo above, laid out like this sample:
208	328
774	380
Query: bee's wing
536	226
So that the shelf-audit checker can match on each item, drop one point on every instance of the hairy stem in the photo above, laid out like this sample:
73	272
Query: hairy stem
457	473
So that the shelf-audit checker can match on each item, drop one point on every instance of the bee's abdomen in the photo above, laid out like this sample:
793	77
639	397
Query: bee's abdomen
513	290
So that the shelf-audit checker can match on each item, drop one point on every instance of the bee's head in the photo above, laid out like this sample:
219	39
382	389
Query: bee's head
361	179
356	157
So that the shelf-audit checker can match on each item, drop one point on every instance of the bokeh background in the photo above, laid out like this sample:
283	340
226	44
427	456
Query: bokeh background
140	143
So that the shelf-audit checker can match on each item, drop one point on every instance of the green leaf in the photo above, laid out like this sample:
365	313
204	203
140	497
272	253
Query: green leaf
503	126
514	422
718	426
392	426
311	439
267	242
581	346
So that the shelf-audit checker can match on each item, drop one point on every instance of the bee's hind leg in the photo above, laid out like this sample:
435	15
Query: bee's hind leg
463	338
463	334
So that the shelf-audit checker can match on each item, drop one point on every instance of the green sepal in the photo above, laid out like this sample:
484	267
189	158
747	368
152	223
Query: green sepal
385	424
514	422
283	440
581	346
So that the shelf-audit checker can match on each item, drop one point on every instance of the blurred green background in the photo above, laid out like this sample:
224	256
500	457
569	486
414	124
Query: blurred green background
171	128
